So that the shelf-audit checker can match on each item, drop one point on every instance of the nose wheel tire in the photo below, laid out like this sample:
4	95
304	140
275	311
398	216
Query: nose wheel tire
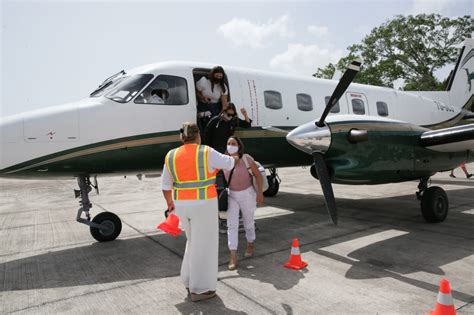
434	205
113	227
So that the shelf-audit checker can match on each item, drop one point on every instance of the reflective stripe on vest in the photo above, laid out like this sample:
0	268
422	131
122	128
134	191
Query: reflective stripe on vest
200	188
196	184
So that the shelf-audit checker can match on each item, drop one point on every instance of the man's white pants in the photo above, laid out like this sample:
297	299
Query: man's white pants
199	267
245	201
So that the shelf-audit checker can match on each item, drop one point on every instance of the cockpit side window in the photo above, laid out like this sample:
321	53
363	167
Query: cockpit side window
128	88
165	90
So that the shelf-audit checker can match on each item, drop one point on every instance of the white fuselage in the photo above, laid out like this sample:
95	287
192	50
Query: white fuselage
33	135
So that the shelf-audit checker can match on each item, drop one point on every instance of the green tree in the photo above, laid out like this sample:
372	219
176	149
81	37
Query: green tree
410	47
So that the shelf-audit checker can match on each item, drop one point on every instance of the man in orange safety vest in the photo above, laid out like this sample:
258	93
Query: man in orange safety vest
188	184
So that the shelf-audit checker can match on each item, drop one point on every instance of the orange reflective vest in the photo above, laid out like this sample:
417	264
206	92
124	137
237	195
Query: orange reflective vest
192	179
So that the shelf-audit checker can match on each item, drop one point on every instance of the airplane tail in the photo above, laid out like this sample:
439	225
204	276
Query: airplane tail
461	83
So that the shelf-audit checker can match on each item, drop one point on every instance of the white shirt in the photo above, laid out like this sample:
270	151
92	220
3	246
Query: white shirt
215	160
205	87
155	99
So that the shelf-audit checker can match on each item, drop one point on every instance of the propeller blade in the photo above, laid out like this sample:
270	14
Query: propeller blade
323	175
341	87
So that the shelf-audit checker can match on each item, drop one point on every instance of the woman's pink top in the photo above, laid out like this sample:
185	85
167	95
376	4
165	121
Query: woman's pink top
241	179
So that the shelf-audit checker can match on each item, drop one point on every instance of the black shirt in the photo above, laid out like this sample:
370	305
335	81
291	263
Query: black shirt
218	131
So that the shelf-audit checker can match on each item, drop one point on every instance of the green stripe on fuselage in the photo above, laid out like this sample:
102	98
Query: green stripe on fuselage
144	153
391	154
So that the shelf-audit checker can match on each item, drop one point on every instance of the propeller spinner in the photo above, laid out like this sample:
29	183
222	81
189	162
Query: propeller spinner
315	138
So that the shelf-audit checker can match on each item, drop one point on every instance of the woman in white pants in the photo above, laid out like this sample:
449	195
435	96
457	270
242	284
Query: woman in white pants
243	196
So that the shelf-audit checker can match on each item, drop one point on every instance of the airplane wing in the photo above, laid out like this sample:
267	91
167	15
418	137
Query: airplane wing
454	139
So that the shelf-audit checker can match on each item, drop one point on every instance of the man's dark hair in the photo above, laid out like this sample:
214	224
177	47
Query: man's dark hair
189	132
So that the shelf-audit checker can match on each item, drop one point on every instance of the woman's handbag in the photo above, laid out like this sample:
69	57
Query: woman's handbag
223	199
261	170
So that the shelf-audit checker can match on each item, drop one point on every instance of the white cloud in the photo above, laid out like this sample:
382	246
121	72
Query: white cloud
429	6
318	30
242	32
301	59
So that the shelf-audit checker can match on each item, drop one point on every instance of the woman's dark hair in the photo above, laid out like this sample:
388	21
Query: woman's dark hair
241	145
232	106
217	69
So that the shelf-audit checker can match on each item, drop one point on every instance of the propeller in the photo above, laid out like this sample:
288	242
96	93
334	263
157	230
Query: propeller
319	162
325	181
341	87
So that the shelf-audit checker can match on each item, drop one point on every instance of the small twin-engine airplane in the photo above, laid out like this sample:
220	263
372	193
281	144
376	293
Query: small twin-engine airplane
365	134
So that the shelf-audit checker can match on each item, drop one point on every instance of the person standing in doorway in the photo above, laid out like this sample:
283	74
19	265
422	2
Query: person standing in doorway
212	96
188	184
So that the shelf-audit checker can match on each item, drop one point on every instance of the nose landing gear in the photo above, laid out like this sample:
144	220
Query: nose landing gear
106	226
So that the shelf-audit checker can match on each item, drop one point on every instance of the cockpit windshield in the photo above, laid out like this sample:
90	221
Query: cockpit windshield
124	90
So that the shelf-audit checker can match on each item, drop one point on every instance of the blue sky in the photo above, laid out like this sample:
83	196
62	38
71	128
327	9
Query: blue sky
58	52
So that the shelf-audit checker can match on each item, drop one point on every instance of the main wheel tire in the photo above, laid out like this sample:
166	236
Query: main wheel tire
313	172
273	186
112	221
434	205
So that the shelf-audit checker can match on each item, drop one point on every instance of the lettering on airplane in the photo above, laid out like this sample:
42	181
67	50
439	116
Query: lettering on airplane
51	134
444	108
356	95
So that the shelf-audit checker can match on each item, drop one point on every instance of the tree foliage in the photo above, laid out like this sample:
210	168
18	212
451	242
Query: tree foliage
410	47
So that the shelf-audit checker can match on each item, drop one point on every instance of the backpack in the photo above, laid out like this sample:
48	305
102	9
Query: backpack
261	169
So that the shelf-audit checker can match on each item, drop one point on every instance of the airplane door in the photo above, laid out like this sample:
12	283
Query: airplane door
357	103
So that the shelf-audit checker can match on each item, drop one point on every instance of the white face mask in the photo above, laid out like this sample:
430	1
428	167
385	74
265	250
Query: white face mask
232	149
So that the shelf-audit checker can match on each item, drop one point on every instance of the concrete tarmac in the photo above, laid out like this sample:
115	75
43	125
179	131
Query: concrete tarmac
382	258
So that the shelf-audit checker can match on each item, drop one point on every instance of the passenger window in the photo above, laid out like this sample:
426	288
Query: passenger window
335	109
273	99
304	102
165	90
358	106
382	109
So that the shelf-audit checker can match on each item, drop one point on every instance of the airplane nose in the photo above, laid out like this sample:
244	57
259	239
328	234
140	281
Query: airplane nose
310	138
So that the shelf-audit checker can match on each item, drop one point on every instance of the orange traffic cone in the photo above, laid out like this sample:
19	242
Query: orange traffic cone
444	303
170	226
295	261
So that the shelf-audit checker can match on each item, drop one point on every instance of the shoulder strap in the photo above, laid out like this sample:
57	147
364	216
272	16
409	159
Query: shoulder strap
230	176
249	169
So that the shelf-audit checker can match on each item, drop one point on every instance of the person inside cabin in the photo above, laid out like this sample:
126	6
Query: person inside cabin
221	127
212	96
158	96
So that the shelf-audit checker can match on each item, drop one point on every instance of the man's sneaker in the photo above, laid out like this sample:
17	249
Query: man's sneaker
202	296
452	176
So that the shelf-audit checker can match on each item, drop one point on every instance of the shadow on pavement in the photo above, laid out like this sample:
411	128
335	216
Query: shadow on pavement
212	306
148	257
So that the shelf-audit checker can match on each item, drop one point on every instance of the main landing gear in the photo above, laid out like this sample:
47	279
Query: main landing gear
273	183
434	202
105	226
